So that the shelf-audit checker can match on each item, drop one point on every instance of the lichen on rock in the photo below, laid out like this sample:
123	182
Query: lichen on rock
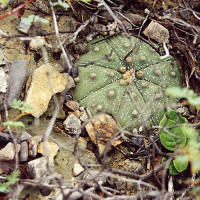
126	78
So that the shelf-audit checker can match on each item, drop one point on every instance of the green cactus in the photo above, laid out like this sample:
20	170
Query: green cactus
126	78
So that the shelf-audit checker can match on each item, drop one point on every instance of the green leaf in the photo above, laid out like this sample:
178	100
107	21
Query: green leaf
4	188
13	177
20	105
61	3
4	2
86	1
181	163
10	180
172	169
33	18
173	137
14	124
178	92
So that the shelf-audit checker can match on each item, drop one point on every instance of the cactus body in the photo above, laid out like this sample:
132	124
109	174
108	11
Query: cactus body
127	79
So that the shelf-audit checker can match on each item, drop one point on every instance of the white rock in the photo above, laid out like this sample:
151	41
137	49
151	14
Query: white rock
73	124
8	152
38	167
41	91
3	81
23	154
77	169
37	42
157	32
84	116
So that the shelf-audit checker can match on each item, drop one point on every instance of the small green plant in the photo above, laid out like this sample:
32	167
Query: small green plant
20	105
8	181
14	124
61	3
33	18
4	2
177	135
191	97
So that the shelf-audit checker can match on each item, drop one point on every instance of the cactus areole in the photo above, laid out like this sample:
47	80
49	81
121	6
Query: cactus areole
126	78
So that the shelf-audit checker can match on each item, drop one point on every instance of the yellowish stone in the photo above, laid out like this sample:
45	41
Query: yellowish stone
42	87
50	148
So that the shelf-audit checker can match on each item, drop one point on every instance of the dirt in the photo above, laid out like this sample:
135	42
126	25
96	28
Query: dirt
13	48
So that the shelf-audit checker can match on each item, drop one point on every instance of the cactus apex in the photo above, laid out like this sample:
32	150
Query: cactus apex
122	82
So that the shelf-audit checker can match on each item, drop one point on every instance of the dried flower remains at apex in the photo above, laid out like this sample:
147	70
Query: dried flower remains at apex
130	78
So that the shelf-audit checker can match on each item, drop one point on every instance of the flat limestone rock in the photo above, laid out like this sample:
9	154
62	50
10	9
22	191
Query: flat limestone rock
157	32
40	91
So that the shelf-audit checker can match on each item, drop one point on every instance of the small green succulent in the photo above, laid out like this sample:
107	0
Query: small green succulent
125	78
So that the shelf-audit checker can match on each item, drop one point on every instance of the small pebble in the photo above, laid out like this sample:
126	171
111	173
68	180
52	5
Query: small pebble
78	169
8	152
38	167
24	136
73	124
23	154
33	145
73	105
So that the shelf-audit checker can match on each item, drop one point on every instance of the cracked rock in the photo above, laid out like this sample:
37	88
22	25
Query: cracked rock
73	124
